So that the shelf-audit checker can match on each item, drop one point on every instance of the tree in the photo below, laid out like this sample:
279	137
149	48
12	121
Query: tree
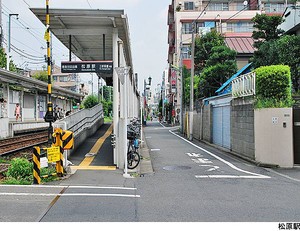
107	93
220	66
41	75
203	48
267	28
284	50
90	101
3	60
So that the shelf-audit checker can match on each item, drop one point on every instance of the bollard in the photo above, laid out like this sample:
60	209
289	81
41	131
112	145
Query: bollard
36	165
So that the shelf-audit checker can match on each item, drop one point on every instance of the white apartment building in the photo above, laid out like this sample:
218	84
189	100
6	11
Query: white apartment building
232	18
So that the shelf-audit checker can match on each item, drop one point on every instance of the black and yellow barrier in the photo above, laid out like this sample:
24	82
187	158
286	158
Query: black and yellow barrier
63	140
36	165
58	143
68	140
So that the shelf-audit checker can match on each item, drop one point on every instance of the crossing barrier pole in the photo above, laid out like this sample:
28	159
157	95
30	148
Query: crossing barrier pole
36	165
59	143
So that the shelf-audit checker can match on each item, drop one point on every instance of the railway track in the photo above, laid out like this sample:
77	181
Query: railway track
12	145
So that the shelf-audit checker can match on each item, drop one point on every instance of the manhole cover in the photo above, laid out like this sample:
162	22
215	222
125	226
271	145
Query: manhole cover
172	168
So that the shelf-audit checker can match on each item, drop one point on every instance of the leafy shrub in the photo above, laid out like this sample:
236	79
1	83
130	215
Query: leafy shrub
20	171
48	171
90	101
273	86
11	180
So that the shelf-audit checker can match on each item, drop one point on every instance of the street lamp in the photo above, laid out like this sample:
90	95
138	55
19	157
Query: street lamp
146	87
8	40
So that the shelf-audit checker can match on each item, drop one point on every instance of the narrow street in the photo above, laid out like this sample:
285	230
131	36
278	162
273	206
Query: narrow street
190	182
193	182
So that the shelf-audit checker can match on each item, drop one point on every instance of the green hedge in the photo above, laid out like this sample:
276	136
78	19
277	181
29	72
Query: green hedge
273	86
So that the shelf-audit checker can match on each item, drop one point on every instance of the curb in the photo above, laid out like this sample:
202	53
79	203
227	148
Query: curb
146	164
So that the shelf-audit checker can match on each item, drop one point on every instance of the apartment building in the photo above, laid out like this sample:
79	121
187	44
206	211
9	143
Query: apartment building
232	18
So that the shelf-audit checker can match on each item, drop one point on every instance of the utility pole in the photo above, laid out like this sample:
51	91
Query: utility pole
192	82
1	27
49	114
8	40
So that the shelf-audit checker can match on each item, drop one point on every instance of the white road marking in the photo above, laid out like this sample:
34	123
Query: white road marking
194	154
70	194
220	159
204	161
67	186
232	176
154	149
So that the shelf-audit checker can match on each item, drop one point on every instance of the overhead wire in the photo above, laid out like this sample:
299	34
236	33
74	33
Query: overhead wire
30	30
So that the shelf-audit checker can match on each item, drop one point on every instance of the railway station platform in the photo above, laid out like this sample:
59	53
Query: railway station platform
96	152
92	162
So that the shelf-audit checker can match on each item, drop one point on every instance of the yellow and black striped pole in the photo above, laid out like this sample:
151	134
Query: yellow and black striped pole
49	115
59	142
36	165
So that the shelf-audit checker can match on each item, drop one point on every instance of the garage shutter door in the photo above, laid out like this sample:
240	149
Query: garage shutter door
221	126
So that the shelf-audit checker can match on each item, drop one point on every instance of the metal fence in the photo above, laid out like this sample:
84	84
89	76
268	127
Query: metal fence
244	85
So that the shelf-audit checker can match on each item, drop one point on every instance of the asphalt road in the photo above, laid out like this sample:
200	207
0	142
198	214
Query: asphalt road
191	182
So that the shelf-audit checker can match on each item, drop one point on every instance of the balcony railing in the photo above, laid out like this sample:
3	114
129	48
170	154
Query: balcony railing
244	85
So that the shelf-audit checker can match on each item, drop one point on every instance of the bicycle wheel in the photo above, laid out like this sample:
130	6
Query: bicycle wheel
133	159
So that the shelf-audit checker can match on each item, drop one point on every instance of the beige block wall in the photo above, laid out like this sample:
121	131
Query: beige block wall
273	141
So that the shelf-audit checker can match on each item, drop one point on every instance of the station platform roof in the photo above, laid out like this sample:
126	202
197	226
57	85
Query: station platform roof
89	31
34	84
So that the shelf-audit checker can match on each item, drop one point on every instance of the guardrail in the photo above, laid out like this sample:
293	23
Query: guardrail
244	85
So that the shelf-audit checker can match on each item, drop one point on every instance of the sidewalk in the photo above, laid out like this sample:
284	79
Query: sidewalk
145	166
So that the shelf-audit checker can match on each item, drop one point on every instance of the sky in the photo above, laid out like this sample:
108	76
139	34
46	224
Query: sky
147	27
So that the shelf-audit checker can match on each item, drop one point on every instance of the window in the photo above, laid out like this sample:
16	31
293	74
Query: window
188	5
241	6
218	6
275	7
187	28
14	97
63	79
42	103
55	78
239	26
185	52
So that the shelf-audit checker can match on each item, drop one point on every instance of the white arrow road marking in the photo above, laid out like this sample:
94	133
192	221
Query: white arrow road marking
194	155
211	169
253	175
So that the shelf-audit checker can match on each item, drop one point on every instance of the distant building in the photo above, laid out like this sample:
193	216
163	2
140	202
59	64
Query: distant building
291	24
68	81
231	18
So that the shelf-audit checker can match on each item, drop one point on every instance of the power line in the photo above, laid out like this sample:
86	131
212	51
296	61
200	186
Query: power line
89	3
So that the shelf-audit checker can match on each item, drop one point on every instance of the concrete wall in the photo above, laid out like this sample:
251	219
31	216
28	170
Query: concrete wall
82	123
197	126
274	136
4	133
242	128
207	123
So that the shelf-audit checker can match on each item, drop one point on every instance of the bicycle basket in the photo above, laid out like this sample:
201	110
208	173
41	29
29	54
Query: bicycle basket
130	135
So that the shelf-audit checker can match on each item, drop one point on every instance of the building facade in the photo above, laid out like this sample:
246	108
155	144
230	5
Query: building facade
232	18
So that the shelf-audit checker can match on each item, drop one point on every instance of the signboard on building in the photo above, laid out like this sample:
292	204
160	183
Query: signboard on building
104	67
173	81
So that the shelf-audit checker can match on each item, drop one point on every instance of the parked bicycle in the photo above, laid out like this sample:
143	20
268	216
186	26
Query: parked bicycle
133	157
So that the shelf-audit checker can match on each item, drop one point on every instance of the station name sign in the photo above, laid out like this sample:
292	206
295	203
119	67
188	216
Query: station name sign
105	67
